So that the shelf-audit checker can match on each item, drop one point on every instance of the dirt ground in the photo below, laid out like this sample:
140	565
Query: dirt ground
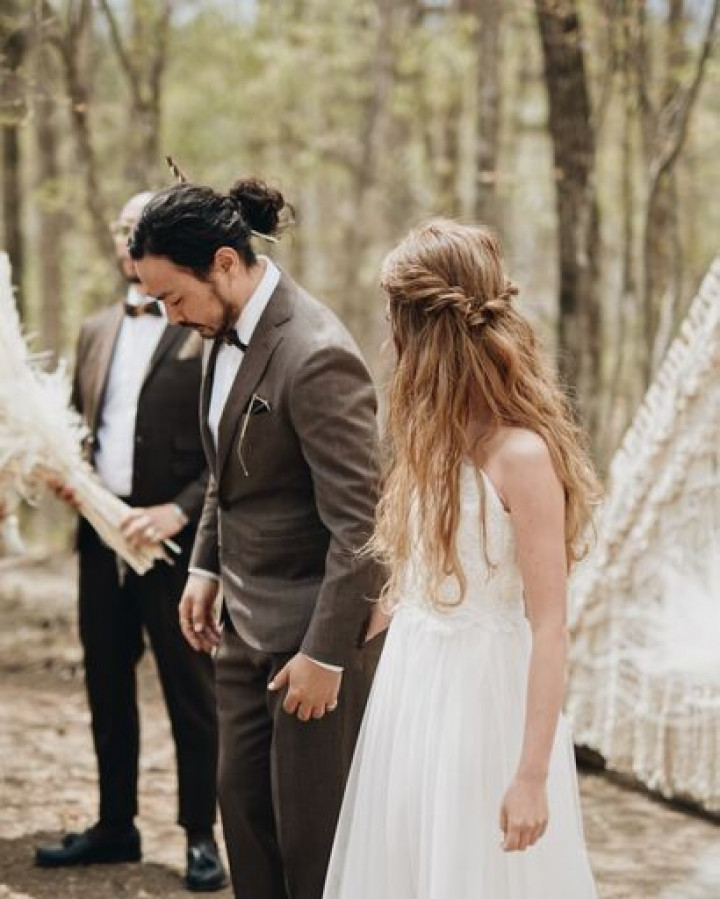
640	848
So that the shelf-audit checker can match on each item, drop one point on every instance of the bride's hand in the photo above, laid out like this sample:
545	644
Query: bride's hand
523	814
312	690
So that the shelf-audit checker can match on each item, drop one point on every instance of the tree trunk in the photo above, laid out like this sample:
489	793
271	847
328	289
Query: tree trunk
14	43
573	140
364	170
71	47
662	260
487	206
620	395
51	222
665	133
144	67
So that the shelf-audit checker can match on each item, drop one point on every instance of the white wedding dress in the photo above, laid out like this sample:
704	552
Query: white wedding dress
441	741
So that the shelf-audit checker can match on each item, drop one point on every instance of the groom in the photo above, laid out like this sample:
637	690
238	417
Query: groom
288	422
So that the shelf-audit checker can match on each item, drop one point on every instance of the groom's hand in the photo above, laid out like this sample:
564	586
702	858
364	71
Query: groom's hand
197	613
312	690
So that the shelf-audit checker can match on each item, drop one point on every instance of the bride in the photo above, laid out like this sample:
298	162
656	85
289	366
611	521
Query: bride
463	784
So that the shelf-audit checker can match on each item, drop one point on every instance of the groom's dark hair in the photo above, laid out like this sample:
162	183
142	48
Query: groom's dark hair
188	224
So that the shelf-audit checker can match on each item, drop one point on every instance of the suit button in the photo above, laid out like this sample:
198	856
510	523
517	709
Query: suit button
138	440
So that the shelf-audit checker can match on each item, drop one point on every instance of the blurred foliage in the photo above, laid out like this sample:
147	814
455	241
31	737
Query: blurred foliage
365	113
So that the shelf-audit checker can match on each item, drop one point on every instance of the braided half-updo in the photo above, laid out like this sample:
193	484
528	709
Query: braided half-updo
439	297
463	347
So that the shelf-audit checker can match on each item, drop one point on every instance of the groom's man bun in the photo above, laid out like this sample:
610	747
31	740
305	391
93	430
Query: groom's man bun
188	223
260	206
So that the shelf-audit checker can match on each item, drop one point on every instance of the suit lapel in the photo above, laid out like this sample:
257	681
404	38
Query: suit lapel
267	336
170	337
100	365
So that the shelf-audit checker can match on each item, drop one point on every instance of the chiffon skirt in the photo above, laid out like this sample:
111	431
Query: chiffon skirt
439	747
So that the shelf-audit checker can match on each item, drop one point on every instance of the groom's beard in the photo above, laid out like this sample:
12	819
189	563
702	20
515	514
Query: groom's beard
229	319
227	322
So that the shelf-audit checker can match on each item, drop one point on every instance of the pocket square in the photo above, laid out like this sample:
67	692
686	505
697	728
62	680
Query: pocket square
258	405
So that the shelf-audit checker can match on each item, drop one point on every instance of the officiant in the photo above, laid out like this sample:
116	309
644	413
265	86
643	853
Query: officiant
137	383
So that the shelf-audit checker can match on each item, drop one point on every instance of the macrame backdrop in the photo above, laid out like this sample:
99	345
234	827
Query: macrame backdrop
644	687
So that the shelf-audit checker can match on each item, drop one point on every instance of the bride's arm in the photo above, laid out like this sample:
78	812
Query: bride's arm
536	503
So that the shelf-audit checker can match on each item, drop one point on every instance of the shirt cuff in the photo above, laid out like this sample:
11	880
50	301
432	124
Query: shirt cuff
181	514
336	668
201	572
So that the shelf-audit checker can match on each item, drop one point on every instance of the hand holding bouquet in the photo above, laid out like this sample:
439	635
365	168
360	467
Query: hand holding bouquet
41	439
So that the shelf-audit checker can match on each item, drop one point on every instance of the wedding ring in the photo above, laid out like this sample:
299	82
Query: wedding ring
151	533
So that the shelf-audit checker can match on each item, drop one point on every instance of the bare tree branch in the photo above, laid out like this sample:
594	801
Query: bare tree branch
640	57
669	134
675	116
67	43
126	65
610	12
159	59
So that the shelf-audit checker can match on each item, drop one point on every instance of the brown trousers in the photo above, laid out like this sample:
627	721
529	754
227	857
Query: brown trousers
280	780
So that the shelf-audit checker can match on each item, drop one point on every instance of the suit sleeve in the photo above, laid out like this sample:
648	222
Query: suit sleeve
205	554
333	410
76	394
191	498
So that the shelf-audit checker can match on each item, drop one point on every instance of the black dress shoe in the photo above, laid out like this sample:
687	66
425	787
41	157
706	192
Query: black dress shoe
205	870
95	846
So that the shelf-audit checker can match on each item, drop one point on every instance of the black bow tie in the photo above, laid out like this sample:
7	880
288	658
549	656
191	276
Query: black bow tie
152	307
230	338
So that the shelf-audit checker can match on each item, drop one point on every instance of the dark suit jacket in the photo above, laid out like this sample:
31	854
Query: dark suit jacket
169	462
293	488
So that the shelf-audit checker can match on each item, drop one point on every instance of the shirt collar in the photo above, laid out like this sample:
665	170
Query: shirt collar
134	297
256	305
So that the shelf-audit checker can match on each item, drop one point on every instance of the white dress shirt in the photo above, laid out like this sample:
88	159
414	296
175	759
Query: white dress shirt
227	365
136	343
229	358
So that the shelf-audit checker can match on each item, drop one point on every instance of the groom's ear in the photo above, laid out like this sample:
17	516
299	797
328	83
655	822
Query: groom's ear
226	261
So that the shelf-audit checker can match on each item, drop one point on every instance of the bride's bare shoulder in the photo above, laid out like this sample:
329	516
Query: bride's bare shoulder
518	462
511	446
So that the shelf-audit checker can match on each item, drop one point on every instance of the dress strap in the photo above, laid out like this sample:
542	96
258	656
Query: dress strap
492	490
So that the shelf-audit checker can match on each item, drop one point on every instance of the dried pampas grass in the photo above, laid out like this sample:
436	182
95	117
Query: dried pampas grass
41	437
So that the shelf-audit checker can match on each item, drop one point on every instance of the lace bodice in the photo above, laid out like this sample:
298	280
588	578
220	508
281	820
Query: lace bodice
494	595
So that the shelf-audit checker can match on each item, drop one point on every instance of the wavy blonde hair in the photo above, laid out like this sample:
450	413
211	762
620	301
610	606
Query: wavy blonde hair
462	347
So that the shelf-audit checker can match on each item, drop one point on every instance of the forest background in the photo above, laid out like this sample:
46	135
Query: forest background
585	132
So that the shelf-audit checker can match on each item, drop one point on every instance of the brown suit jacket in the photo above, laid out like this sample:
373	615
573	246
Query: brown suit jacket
169	462
293	484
